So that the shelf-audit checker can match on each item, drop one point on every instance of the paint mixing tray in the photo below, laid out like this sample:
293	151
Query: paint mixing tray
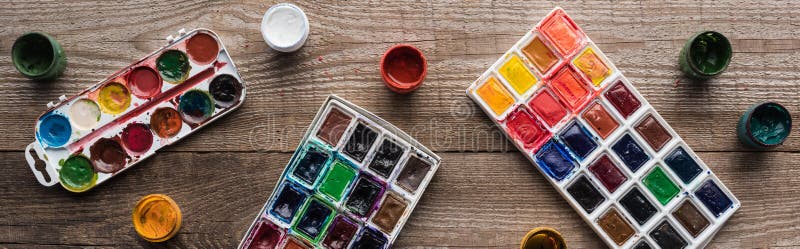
352	182
88	138
600	143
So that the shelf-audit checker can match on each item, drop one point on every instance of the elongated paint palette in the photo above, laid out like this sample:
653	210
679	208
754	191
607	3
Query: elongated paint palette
88	138
600	143
352	183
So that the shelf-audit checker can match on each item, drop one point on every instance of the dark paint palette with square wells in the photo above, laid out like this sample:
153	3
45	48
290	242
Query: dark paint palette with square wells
593	136
352	183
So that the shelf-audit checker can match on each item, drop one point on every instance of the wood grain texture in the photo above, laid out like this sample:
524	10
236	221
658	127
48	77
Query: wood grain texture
481	197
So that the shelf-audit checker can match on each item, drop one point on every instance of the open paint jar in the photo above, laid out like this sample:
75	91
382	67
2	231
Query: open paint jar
403	68
543	238
156	218
284	27
705	55
38	56
764	125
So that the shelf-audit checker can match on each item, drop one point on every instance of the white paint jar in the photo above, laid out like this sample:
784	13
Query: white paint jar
285	27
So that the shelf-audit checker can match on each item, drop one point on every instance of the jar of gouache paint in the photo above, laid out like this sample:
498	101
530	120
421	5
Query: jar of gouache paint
403	68
705	55
38	56
764	125
543	238
156	218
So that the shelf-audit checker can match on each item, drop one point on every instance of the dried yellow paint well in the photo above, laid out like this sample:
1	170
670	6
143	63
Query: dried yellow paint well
156	218
592	66
495	95
517	75
114	98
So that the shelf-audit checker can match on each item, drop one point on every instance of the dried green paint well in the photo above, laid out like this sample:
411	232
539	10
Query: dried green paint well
336	181
660	185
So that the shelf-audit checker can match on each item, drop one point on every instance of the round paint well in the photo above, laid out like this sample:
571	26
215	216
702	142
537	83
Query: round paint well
285	27
705	54
84	114
765	125
196	106
107	155
156	218
173	66
144	82
38	56
54	130
114	98
543	238
226	90
136	138
77	173
403	68
202	48
166	122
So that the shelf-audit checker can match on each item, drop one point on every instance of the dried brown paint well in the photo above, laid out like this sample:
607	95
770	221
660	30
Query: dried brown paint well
333	127
653	132
390	212
691	218
616	226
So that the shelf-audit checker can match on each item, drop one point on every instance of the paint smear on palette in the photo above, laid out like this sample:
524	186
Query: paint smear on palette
137	138
166	122
144	82
173	66
107	155
195	106
114	98
202	48
54	130
84	114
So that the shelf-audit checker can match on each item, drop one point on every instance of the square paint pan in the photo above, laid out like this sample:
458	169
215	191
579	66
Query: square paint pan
90	137
604	148
354	180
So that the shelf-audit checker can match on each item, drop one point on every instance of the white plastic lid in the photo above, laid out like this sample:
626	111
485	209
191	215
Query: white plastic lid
284	27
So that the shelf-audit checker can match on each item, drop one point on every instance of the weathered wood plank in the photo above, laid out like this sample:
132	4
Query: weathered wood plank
475	200
460	39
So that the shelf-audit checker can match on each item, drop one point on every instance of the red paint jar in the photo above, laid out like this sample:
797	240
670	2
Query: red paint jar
403	68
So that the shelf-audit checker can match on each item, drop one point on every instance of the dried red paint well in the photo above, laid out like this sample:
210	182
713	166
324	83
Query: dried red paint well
144	82
202	48
403	68
524	127
137	138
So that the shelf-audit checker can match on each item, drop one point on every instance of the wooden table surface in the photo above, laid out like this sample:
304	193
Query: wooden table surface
485	193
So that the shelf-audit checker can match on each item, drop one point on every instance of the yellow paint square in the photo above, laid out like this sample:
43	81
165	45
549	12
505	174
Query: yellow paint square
592	66
495	95
517	75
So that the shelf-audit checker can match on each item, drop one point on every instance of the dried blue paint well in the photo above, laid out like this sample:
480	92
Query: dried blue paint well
308	168
578	140
369	239
54	130
713	198
683	165
630	152
555	160
287	202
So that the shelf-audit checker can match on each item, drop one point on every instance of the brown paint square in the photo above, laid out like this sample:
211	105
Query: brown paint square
333	127
691	218
389	213
616	226
600	120
653	132
413	173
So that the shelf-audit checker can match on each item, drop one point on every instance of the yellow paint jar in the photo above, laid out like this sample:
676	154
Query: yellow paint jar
156	218
543	238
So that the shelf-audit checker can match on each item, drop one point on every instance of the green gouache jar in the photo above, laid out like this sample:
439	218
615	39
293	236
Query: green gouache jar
705	55
38	56
764	125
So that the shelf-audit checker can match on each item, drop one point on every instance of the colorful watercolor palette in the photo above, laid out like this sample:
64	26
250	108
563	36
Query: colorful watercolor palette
92	136
352	183
600	143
